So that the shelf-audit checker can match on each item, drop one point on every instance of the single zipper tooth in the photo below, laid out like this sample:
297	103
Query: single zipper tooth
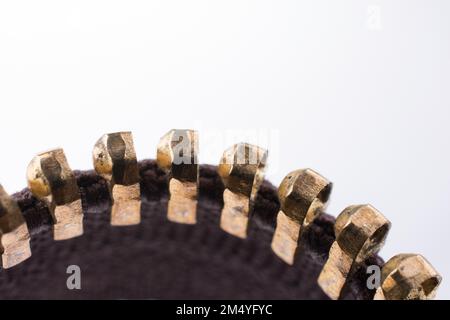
303	195
177	155
242	170
360	232
115	160
408	277
14	235
51	179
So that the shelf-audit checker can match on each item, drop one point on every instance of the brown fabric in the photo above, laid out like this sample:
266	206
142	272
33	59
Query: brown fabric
163	260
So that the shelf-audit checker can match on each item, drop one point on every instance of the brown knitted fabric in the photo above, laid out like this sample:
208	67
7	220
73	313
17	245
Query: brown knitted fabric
162	260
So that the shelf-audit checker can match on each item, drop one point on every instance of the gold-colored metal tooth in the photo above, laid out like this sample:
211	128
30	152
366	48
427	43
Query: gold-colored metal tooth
51	179
14	235
115	160
178	156
360	232
408	277
303	195
242	170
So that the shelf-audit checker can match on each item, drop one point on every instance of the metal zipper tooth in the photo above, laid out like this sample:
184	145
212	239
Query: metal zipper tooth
177	155
303	195
14	235
408	277
242	170
51	179
360	232
115	160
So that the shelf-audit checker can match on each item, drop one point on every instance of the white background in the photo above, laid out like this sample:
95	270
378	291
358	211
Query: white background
357	90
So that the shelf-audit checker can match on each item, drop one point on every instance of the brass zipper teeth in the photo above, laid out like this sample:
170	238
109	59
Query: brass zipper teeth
360	230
